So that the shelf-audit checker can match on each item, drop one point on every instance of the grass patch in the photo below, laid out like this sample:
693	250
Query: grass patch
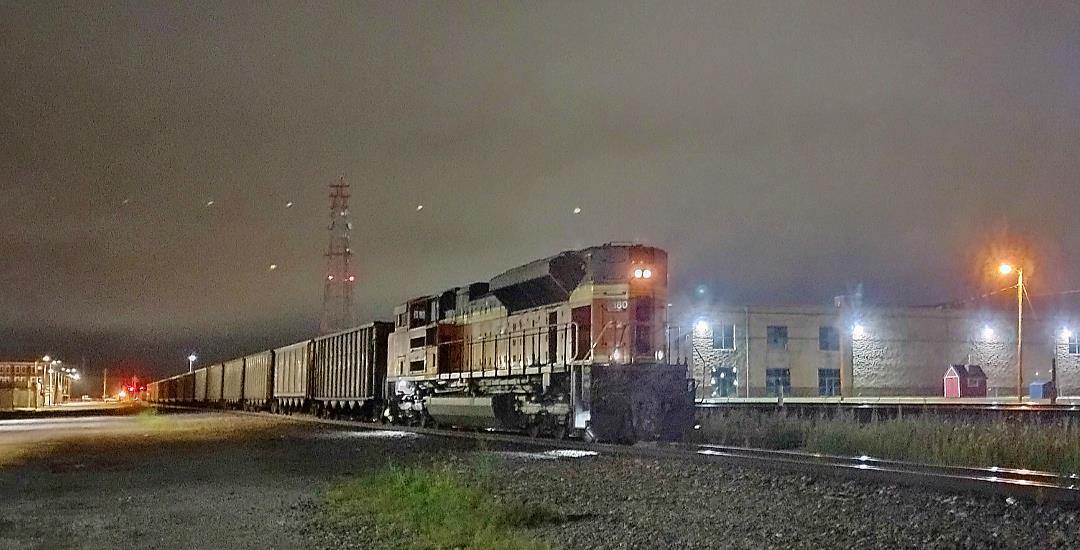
1048	446
435	507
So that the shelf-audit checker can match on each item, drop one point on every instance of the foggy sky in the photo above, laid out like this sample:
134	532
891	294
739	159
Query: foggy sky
781	152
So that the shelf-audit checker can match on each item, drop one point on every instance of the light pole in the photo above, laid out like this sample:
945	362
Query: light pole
1006	269
191	363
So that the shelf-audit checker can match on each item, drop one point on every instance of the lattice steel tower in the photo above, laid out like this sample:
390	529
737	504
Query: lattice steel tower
339	279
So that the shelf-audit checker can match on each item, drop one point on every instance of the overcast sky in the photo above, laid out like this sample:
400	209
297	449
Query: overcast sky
781	151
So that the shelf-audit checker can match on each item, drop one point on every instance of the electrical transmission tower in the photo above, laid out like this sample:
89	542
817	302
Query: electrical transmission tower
339	279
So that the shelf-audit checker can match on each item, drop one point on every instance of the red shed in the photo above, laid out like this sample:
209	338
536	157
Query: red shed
965	381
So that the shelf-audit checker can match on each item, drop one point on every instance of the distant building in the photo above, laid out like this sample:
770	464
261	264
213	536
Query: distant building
21	385
875	351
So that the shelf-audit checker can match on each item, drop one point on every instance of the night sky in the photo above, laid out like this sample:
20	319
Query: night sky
782	152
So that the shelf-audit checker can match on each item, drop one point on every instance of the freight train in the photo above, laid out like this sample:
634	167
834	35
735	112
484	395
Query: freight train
575	344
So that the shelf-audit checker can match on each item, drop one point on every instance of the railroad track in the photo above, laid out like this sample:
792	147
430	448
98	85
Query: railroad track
1031	485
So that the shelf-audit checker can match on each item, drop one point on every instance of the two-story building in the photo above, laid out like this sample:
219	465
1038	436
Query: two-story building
876	351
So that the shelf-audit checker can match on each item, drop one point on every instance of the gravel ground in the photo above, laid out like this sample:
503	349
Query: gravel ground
252	483
632	503
185	481
646	503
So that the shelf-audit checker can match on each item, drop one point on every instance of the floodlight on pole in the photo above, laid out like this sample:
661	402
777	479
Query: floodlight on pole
191	362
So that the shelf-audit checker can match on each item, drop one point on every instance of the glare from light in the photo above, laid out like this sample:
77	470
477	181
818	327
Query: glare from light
577	210
1066	334
46	358
352	278
273	267
647	273
858	332
987	333
1005	269
735	382
419	207
288	204
638	273
616	355
329	277
659	355
701	327
192	357
209	203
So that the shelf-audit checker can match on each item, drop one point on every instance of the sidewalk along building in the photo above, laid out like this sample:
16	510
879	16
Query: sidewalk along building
20	385
812	351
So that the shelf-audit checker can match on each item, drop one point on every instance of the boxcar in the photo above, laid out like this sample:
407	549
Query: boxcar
232	383
258	380
214	378
292	377
350	369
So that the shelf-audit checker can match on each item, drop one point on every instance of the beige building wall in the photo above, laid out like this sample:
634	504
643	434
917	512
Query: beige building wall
895	351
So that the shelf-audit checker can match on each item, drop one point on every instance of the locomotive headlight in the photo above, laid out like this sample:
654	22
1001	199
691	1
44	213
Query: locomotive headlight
646	273
639	273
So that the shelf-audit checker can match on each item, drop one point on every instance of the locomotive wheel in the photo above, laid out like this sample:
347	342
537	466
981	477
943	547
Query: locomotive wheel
559	432
533	430
589	436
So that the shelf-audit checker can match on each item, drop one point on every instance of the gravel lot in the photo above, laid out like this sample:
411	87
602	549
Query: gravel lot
632	503
243	482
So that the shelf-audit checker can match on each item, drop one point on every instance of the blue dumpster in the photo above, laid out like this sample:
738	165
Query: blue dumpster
1042	389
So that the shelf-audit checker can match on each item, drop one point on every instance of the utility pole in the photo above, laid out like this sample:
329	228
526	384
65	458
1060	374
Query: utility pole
1006	269
1020	334
104	383
338	280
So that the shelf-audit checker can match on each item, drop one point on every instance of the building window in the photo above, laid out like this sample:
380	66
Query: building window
828	381
723	336
777	336
778	380
828	339
1074	344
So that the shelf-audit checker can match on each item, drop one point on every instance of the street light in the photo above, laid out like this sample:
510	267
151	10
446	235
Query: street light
1006	269
191	362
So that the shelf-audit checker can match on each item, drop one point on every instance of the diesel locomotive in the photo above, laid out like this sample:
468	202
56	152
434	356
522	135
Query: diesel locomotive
575	344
